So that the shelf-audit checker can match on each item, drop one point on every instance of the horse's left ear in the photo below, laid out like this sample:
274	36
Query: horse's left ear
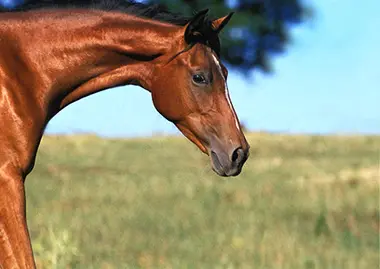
194	28
219	24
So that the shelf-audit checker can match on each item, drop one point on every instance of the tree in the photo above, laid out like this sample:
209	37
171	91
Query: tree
259	29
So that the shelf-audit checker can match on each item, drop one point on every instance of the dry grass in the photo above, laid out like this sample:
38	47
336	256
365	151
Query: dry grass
301	202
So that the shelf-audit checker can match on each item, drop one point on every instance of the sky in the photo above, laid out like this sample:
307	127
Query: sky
327	82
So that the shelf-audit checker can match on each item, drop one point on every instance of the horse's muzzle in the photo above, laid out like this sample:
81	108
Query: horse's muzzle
227	165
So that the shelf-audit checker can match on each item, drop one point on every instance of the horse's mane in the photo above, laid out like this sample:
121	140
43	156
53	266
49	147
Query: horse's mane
155	12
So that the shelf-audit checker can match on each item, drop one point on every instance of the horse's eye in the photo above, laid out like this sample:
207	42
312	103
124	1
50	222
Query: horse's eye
199	79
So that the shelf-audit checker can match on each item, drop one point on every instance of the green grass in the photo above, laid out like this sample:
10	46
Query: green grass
301	202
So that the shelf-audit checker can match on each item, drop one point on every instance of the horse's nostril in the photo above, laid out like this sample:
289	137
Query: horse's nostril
237	155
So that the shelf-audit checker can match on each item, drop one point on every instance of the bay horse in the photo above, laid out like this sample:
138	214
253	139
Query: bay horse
53	53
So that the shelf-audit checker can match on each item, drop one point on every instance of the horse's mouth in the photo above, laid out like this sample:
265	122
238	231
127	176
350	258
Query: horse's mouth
216	165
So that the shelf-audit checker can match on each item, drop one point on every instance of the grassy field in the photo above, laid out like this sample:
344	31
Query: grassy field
302	202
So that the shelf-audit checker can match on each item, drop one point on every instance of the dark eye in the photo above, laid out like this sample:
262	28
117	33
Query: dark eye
199	79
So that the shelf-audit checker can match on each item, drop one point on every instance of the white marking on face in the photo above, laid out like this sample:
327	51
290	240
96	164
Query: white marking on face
225	89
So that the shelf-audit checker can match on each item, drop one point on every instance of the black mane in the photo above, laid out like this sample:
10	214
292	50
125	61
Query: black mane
155	12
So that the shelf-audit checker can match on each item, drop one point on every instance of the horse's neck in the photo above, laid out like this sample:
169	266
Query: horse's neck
77	53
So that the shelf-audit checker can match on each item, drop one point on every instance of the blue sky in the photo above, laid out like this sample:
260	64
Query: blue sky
327	82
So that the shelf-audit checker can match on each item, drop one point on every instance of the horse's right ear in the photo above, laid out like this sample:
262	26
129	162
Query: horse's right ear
193	28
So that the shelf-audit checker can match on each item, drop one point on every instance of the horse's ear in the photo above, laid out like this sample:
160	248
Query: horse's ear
193	28
219	24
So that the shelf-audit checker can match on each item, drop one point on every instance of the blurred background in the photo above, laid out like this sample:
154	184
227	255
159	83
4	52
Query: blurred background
115	187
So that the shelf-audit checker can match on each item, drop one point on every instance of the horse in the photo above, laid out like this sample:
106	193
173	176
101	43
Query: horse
53	53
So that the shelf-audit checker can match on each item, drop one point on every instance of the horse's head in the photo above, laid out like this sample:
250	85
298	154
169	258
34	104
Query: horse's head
190	90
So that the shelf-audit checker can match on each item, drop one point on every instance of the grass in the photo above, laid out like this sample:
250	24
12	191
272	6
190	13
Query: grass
301	202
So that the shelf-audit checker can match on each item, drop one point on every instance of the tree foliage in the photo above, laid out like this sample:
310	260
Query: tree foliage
258	30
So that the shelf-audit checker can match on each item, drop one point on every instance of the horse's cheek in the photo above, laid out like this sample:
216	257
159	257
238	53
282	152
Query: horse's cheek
166	105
